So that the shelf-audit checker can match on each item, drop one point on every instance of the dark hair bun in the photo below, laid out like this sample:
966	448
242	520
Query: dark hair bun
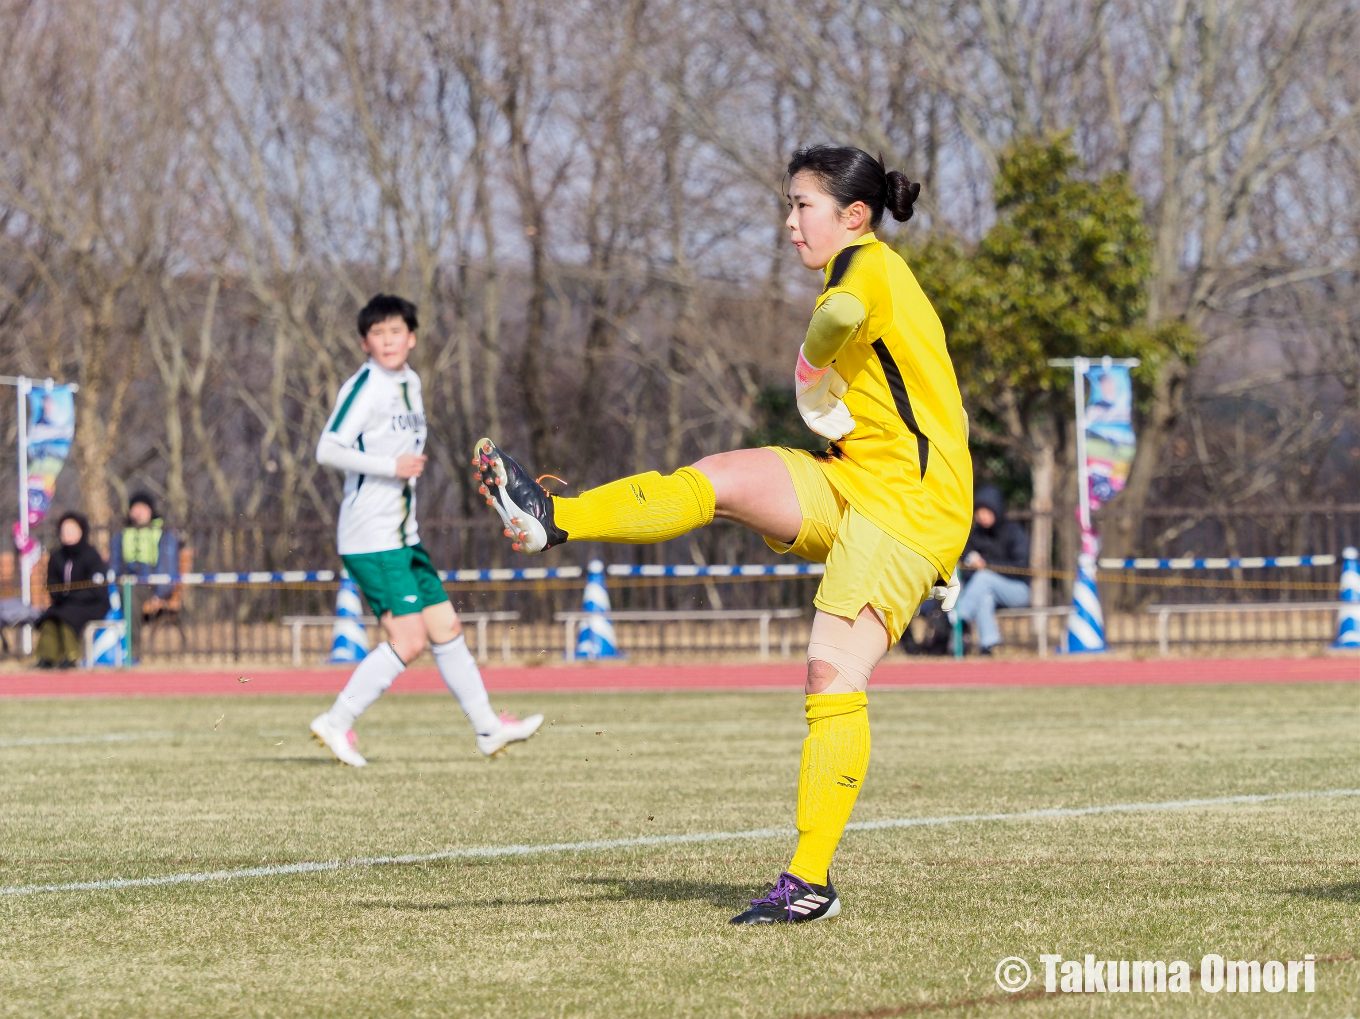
899	195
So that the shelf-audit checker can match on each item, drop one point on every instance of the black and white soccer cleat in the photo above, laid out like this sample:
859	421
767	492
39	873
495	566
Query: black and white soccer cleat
523	504
792	900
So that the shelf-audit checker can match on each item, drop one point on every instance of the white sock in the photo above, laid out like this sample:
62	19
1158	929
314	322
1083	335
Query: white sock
464	681
373	675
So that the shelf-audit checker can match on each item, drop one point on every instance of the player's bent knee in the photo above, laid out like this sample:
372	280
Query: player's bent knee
408	650
441	623
821	677
843	652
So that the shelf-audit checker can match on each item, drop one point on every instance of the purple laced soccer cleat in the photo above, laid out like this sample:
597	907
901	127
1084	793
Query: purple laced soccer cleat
793	900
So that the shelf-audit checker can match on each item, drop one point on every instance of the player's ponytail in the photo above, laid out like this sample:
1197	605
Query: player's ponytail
899	195
851	175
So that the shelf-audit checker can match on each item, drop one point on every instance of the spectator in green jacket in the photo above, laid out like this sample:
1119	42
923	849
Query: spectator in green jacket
144	547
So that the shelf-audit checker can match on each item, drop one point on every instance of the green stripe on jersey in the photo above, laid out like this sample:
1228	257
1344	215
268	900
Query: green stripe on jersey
344	407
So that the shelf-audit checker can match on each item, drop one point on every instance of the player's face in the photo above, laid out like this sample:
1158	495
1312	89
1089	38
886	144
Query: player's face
389	343
818	227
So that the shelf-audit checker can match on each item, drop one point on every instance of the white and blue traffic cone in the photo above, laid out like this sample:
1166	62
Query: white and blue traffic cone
597	634
349	642
1086	623
1348	616
108	650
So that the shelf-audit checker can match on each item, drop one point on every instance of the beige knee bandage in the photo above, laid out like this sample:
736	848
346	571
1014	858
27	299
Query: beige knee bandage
852	649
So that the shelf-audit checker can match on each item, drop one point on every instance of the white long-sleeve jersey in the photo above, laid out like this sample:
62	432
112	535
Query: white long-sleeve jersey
378	417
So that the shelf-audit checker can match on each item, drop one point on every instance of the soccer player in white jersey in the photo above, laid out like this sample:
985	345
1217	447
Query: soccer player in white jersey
376	435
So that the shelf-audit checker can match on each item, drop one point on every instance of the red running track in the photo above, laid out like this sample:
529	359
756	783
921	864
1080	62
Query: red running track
615	677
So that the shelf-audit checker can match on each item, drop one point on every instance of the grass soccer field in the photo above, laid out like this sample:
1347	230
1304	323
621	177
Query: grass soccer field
498	910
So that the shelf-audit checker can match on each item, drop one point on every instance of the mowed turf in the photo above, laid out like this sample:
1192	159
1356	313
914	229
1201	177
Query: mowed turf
143	787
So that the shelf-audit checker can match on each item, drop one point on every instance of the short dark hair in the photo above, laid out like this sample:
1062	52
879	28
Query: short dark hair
851	175
385	306
81	522
146	500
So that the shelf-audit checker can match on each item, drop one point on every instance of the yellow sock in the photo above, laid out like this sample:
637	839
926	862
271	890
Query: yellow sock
835	758
638	510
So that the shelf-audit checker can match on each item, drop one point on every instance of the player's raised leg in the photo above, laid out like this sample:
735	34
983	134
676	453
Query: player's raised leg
461	675
748	486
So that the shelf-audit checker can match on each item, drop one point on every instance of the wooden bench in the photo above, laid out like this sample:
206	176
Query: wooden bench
571	620
479	619
1041	616
1165	612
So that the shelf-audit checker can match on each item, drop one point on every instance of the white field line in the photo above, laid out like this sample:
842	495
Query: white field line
106	737
491	852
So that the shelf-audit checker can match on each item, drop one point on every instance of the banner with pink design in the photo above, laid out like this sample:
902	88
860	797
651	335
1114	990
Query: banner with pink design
46	443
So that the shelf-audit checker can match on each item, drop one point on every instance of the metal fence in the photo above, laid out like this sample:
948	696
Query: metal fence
221	624
243	623
1177	630
249	624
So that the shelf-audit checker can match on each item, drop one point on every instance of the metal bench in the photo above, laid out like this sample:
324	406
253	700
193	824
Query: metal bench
571	620
1165	612
480	619
1041	616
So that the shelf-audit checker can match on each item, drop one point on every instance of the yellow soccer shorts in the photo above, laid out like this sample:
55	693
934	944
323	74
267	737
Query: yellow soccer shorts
864	565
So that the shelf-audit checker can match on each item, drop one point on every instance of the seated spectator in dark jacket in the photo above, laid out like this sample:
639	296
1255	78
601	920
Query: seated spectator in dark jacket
146	546
994	541
76	584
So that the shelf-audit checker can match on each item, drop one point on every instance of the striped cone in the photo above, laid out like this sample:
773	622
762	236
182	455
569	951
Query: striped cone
108	651
349	643
597	635
1086	624
1348	616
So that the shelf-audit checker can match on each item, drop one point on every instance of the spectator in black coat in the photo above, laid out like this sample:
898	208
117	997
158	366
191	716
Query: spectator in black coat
76	575
994	542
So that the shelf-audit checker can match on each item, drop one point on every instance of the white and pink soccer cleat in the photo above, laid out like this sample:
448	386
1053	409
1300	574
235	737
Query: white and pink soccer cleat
340	742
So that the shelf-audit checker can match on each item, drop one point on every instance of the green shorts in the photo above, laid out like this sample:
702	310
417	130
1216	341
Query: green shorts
400	581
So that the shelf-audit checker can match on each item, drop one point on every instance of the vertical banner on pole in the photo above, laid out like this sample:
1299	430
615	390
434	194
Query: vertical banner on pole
47	426
1105	448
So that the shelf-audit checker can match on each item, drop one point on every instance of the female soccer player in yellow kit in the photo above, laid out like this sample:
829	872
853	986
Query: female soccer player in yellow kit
887	506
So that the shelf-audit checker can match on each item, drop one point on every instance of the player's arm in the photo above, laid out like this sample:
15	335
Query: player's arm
819	386
833	325
337	446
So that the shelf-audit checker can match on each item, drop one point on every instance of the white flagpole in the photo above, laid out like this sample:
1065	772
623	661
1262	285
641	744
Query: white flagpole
1079	366
22	386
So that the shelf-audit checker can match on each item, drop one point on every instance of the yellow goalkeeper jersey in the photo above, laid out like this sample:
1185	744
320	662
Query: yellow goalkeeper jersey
905	465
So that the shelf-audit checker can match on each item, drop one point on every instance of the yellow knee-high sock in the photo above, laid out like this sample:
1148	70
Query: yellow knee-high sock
835	758
638	510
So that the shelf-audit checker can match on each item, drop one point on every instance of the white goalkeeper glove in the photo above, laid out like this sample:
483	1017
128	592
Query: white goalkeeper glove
949	594
819	399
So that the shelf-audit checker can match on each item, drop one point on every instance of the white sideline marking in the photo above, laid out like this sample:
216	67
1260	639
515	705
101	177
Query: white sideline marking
106	737
491	852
